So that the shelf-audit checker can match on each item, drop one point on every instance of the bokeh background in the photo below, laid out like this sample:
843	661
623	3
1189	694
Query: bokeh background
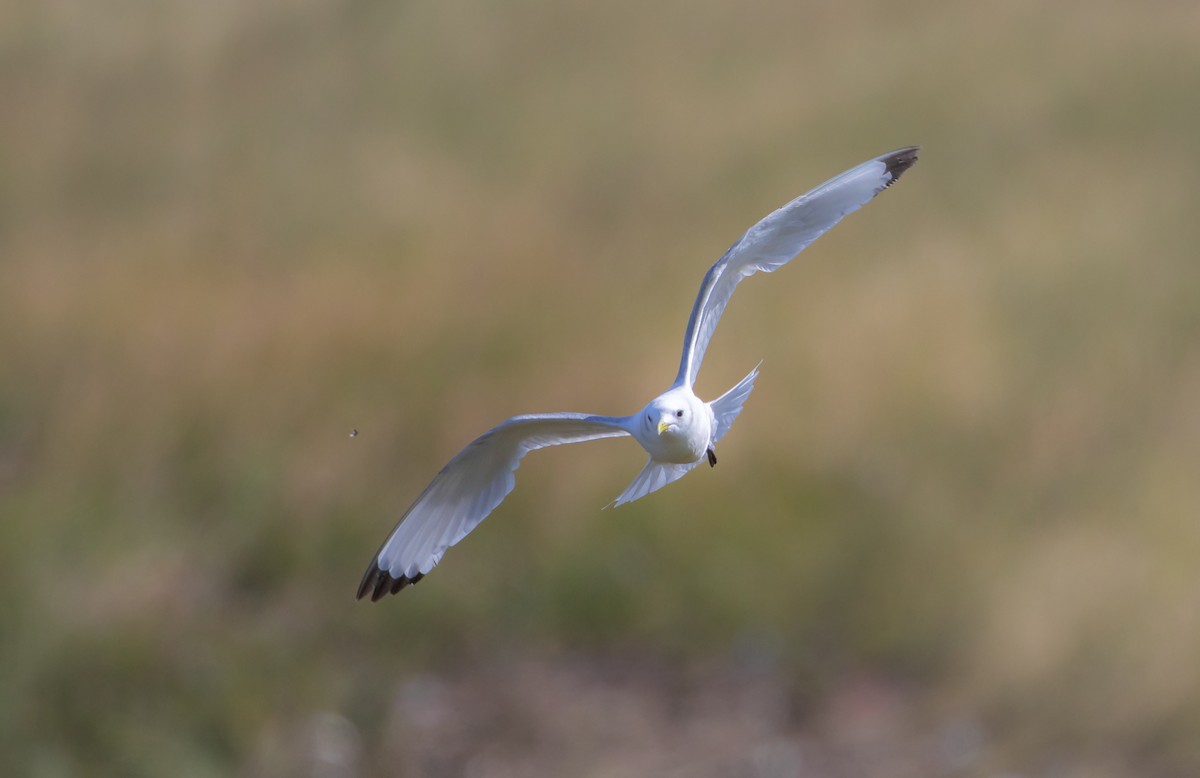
955	531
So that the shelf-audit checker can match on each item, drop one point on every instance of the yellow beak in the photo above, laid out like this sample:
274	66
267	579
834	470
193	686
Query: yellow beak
663	426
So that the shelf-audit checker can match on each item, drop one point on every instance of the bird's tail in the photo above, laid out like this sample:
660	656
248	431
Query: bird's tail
654	476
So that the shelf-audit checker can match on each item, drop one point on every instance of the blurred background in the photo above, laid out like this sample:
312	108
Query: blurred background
955	531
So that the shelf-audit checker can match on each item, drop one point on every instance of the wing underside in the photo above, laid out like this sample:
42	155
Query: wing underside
467	489
777	239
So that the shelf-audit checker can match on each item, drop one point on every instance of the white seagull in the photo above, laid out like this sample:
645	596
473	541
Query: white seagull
677	429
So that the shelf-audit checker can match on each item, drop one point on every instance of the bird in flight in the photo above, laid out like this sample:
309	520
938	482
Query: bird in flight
677	429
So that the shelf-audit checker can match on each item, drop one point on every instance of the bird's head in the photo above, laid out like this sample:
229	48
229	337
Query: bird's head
667	415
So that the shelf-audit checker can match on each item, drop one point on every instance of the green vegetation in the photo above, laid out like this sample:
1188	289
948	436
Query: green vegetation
232	232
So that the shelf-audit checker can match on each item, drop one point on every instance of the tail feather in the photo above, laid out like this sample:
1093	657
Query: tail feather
654	476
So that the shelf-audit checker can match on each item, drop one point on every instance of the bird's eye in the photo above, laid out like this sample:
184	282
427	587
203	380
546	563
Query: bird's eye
679	414
648	417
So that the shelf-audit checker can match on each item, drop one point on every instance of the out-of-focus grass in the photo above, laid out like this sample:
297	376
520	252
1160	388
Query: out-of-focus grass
229	233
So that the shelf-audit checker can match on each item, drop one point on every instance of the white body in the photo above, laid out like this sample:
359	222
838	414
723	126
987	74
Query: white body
677	429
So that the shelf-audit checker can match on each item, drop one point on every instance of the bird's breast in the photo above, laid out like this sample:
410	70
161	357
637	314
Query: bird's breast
677	447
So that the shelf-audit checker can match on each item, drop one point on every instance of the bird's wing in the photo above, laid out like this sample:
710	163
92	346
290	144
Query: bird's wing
727	407
467	489
775	240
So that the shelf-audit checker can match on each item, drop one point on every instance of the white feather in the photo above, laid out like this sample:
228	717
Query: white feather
776	240
474	482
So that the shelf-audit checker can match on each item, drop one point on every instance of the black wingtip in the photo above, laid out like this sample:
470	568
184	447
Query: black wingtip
380	582
899	161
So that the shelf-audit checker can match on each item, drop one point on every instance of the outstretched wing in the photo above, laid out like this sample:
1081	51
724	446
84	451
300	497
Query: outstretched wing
467	489
775	240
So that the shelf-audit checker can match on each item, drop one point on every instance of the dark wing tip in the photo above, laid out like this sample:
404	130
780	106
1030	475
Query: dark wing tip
380	582
899	161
